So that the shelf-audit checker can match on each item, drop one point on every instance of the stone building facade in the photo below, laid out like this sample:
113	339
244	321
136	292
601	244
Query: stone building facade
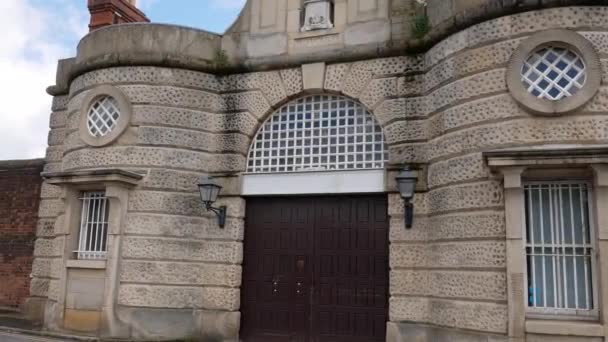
305	120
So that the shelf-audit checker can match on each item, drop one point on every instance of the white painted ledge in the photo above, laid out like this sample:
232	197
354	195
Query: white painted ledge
307	183
566	328
94	264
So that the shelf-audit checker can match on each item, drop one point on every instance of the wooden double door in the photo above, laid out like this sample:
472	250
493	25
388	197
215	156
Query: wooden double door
315	269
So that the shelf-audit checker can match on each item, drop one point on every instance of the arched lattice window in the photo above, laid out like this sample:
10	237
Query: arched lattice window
318	133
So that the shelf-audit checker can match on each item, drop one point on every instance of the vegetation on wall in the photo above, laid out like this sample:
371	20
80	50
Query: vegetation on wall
421	25
220	58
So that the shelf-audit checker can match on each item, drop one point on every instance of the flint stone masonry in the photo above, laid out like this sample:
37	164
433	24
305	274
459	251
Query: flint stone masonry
182	250
217	298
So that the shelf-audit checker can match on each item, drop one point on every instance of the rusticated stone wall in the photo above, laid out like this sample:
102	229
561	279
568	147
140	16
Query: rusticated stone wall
179	272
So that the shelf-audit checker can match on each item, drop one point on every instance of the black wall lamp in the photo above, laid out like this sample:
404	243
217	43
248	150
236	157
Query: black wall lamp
406	182
209	192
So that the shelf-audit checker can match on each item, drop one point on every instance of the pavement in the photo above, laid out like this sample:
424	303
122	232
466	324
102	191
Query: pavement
10	337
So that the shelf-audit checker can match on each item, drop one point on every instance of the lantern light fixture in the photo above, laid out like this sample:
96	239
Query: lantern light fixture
406	182
210	190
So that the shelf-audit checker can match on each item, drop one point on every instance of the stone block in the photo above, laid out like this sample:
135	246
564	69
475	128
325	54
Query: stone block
81	320
460	169
147	75
44	247
41	267
39	287
243	122
313	76
60	103
400	131
471	254
180	273
173	96
135	156
266	45
193	140
175	203
400	109
58	119
467	196
292	79
253	102
270	83
483	317
182	297
372	32
80	301
219	326
378	90
153	324
334	76
165	249
184	227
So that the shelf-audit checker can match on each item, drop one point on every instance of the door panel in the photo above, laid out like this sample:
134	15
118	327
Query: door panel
315	269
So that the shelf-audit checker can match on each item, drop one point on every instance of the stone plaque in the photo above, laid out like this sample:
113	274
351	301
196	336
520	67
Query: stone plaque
317	15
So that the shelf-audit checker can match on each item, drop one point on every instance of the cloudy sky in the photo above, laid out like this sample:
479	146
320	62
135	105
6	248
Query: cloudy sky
36	33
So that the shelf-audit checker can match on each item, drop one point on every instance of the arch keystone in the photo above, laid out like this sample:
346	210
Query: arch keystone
313	76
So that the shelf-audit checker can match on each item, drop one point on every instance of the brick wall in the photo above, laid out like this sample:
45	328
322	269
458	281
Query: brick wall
20	183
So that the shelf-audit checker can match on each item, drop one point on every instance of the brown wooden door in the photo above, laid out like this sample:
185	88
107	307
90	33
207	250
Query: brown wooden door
315	269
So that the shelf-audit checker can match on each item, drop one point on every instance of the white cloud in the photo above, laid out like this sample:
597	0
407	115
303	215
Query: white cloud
33	39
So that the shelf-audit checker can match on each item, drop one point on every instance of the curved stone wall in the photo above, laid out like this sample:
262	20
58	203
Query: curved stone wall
441	109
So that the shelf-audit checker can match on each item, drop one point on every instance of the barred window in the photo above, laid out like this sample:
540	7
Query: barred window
560	248
318	133
92	243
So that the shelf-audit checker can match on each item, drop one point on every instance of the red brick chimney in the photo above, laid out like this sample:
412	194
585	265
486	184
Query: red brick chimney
111	12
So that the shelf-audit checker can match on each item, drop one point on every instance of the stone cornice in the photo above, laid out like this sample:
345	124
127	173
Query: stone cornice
93	177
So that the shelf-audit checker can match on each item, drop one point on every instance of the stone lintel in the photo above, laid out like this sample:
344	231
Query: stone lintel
547	155
116	176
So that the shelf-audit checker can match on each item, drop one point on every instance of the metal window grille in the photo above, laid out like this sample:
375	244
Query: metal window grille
93	226
553	73
560	250
318	133
103	116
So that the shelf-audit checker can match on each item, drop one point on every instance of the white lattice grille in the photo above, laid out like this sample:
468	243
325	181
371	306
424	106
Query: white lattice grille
559	247
103	116
93	226
553	73
318	133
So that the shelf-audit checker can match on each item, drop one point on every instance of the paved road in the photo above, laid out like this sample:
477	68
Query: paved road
6	337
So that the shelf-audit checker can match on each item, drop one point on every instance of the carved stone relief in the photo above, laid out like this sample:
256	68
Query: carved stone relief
317	15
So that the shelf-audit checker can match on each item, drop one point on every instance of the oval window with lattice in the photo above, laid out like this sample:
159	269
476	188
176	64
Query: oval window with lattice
318	133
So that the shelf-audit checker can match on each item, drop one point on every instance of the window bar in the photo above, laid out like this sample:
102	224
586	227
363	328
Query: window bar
542	246
104	232
553	218
564	283
534	290
584	212
94	226
574	256
83	230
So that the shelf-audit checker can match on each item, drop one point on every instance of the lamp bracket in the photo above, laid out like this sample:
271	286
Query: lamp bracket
219	212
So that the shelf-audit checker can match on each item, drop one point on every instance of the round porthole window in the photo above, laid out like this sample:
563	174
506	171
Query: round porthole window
105	115
554	72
